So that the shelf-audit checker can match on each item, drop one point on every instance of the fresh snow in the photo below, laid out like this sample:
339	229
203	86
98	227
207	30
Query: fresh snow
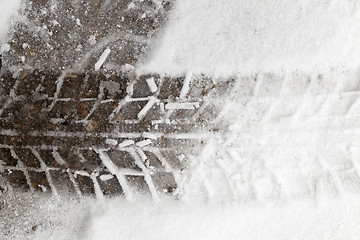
331	219
239	36
9	10
48	218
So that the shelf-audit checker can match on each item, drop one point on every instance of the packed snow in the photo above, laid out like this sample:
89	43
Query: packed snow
102	59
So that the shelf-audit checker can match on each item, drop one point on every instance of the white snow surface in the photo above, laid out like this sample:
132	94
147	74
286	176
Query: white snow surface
48	218
332	219
9	10
240	36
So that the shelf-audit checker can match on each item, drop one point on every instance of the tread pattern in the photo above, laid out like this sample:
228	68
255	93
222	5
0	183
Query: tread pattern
67	127
289	136
177	135
62	121
90	134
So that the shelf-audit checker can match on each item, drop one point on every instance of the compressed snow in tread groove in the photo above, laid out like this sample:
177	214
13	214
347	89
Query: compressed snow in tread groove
102	59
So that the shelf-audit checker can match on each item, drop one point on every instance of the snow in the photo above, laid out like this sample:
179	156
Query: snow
102	59
188	105
240	36
111	141
106	177
334	219
226	38
126	143
9	11
47	218
143	143
152	85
